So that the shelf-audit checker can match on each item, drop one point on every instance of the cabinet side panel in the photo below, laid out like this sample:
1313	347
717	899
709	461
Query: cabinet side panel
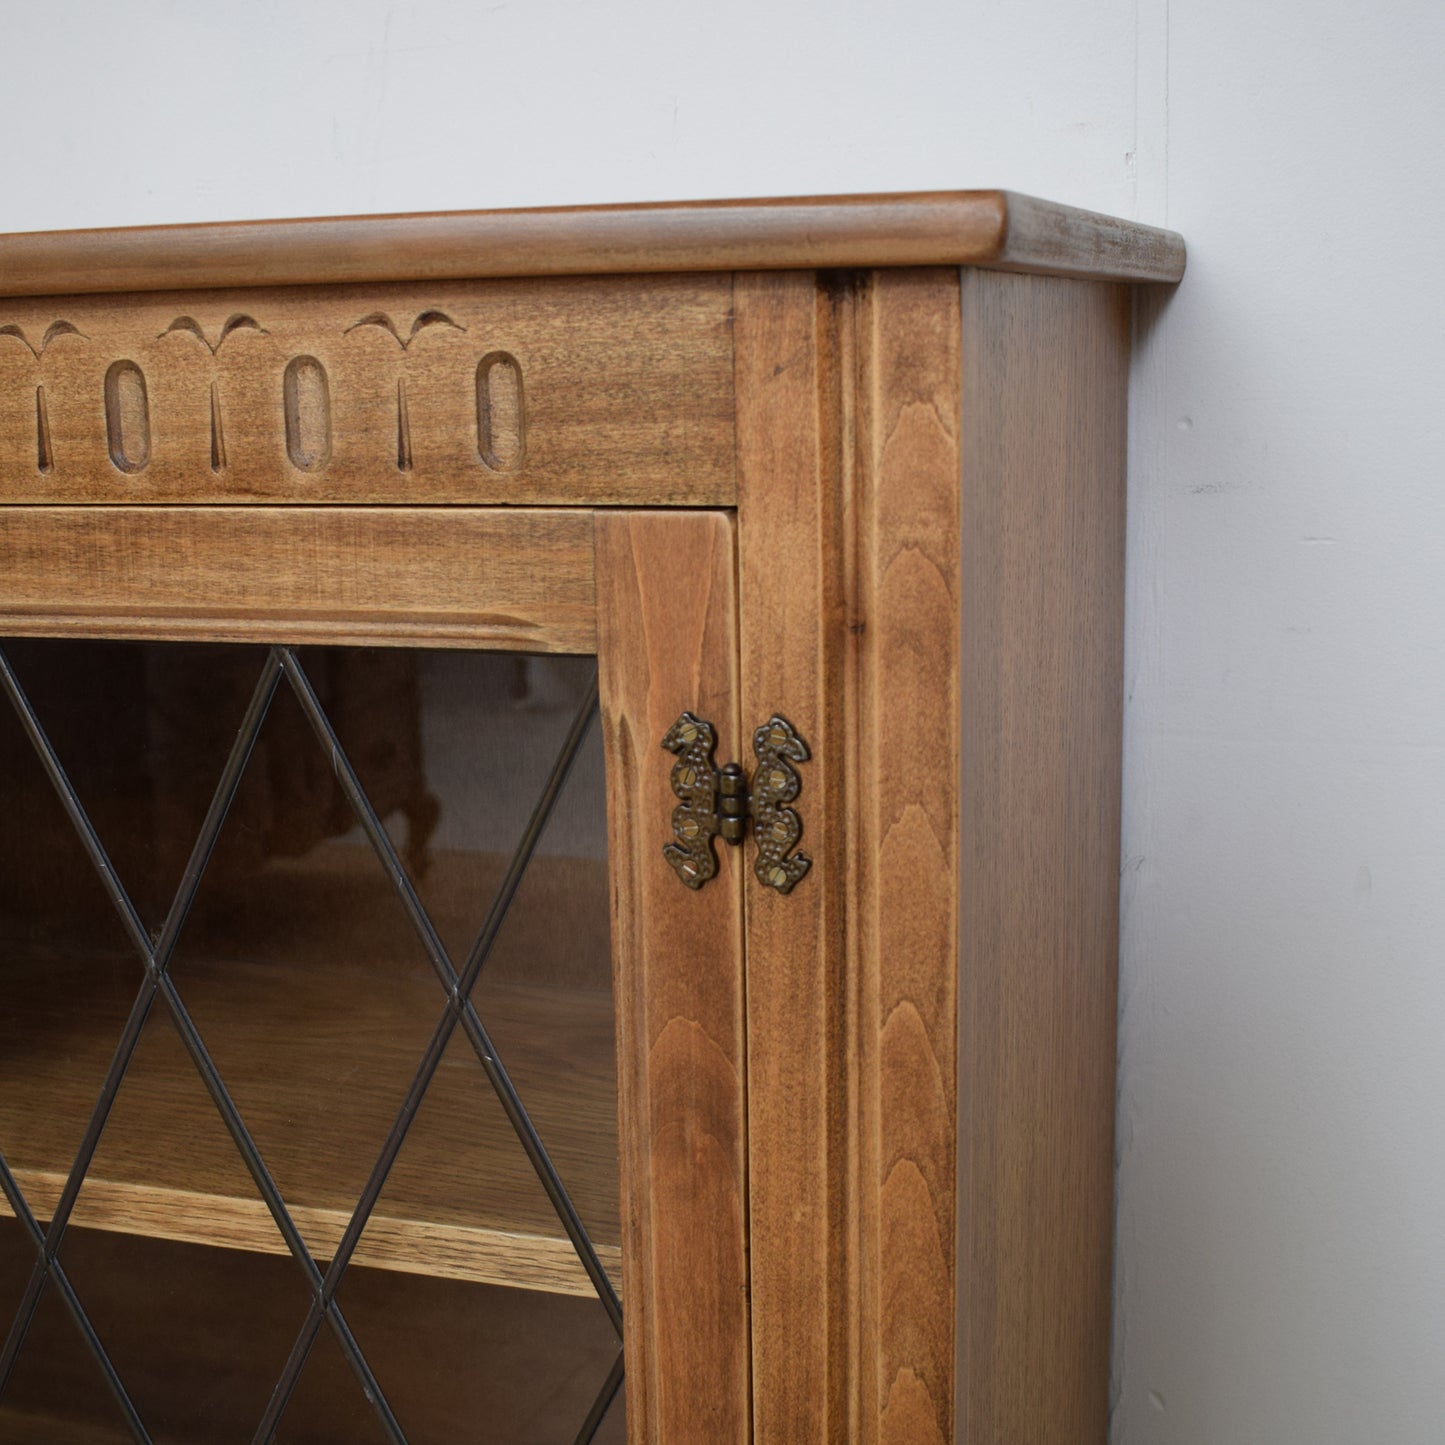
903	929
793	340
1044	421
667	642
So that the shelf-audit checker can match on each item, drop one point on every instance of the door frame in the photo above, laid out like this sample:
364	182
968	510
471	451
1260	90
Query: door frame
653	594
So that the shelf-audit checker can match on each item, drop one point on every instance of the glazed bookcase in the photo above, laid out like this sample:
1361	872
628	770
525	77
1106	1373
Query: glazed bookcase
393	1047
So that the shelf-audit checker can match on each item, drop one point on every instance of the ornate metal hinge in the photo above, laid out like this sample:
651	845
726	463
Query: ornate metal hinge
717	802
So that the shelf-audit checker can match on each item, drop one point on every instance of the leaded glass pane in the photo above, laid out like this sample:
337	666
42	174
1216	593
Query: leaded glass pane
307	1034
197	1333
450	1357
56	1394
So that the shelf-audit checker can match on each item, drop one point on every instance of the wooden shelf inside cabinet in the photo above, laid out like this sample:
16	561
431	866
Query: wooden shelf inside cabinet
462	1202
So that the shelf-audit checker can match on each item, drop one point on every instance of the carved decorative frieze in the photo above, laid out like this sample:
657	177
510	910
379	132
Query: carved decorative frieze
485	392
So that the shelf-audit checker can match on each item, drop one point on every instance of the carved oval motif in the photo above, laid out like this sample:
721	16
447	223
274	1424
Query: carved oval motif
127	417
501	412
306	397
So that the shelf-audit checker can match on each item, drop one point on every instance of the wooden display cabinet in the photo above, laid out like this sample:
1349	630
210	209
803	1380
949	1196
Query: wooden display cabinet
311	530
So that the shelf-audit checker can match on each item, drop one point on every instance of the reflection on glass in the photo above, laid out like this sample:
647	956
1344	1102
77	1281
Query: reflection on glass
292	1065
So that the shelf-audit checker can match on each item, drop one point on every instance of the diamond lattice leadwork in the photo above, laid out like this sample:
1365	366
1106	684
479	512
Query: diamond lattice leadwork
457	1017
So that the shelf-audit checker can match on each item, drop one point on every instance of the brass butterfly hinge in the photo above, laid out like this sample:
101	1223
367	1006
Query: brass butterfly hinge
717	802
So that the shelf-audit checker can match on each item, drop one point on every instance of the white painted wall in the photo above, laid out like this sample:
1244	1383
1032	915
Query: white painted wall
1281	1270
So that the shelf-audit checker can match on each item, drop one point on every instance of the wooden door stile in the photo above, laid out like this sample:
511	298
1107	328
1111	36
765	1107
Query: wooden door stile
667	643
792	342
848	519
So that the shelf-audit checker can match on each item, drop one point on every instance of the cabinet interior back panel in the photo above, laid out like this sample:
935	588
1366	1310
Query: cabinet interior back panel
564	391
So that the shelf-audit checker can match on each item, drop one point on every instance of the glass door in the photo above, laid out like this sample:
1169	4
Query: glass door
358	1054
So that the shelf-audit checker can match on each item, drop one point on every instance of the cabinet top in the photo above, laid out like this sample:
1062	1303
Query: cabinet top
996	229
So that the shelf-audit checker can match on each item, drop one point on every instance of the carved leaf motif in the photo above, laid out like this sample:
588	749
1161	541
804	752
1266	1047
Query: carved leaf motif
240	323
192	327
53	332
424	320
381	319
431	318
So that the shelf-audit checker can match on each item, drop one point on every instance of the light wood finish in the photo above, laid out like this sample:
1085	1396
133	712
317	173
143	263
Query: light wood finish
488	1254
318	1058
865	1129
849	523
517	579
1045	238
560	392
1044	423
929	228
903	937
795	519
668	641
867	1218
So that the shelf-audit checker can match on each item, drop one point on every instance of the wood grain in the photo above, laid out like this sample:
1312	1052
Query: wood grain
793	346
667	622
560	392
318	1056
849	527
1048	239
1044	420
517	579
928	228
903	928
486	1254
887	1218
